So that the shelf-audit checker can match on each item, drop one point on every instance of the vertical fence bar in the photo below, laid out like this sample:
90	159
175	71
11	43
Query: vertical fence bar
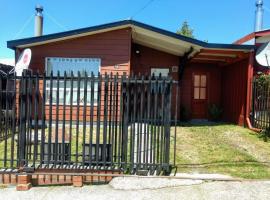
140	121
158	120
92	84
155	120
162	122
22	131
151	120
253	102
125	95
36	113
119	116
134	127
114	120
29	118
126	122
6	120
43	118
168	124
137	132
84	115
14	121
98	118
110	118
175	122
78	117
105	116
64	154
148	119
70	118
56	146
50	121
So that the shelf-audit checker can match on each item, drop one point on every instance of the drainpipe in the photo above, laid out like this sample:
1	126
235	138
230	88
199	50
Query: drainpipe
249	92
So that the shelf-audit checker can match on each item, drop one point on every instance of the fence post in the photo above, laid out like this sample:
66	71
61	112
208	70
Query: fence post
22	117
253	83
168	124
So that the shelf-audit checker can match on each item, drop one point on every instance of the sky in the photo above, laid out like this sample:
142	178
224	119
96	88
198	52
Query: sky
218	21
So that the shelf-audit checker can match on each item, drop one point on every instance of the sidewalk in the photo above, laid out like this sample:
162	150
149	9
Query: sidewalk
205	190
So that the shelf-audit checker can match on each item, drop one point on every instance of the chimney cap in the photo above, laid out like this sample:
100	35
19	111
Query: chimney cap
259	2
39	8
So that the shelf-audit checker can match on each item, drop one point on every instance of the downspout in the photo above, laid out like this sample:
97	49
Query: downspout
249	92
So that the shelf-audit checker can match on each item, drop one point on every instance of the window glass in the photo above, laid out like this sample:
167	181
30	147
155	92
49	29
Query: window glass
82	65
164	72
203	81
197	81
200	85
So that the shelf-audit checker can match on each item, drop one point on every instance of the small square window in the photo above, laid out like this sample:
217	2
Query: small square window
200	87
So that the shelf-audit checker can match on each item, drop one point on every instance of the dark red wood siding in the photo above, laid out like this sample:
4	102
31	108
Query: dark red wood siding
112	47
214	84
148	58
234	90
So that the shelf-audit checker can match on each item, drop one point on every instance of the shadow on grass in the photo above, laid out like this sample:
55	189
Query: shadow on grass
202	123
202	165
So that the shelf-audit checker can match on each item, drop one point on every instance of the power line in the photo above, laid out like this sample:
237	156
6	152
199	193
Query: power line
142	8
24	26
266	8
55	21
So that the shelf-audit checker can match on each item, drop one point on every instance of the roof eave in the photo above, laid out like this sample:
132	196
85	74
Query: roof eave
13	44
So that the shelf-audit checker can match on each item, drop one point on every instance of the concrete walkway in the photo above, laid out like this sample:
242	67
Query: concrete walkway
206	190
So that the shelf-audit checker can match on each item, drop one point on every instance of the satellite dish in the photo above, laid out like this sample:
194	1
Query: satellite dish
23	62
263	55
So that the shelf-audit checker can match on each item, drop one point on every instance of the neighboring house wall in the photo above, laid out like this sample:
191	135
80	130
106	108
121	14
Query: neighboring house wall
234	89
112	47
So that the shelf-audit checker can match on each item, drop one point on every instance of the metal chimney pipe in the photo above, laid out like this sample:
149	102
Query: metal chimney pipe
259	16
38	21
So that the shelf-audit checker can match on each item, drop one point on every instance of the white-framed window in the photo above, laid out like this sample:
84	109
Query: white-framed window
84	66
164	72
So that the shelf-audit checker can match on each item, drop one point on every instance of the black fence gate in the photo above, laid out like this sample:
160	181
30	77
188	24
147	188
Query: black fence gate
87	122
260	114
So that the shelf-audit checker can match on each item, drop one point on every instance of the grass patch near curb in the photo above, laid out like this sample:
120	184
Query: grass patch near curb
224	149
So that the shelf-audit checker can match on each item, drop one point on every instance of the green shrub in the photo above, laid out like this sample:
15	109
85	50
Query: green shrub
215	112
184	114
265	134
262	81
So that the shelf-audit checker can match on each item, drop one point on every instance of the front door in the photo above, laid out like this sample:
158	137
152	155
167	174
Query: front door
199	99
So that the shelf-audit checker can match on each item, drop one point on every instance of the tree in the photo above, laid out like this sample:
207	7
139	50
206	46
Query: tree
185	30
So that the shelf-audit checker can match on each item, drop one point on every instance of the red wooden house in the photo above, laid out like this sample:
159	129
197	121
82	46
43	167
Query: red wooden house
208	73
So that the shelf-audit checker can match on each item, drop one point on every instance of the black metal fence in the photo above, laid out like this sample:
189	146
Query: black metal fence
261	103
87	122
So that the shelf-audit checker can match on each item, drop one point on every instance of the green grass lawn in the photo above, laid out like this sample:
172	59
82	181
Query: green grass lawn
224	149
